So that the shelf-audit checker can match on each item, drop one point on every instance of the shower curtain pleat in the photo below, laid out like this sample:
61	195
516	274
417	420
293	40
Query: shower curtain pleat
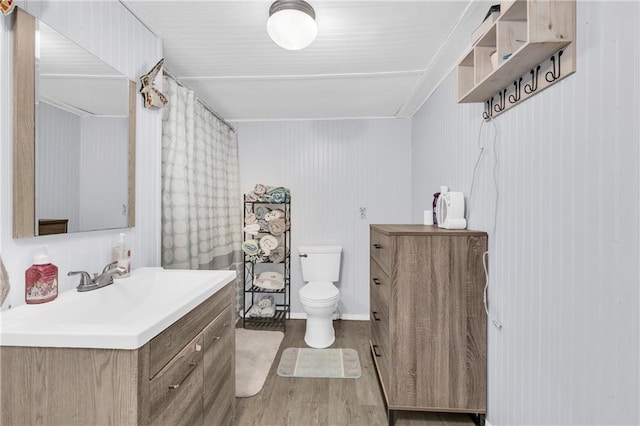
201	206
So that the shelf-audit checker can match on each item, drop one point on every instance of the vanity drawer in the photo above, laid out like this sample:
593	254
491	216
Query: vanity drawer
380	249
167	344
176	391
219	370
380	355
379	285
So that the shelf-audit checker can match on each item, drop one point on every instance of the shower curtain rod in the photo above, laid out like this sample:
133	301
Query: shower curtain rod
207	107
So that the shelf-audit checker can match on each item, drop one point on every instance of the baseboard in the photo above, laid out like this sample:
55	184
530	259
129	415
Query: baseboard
347	317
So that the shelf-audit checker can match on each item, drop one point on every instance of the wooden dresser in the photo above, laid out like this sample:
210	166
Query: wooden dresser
428	325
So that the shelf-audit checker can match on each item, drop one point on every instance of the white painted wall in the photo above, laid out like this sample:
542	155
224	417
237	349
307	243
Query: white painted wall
107	29
564	231
332	169
58	165
104	165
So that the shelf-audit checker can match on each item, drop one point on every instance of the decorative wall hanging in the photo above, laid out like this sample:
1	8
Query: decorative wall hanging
530	47
7	6
152	96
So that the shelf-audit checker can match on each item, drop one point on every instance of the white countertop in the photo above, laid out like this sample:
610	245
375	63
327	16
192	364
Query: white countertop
124	315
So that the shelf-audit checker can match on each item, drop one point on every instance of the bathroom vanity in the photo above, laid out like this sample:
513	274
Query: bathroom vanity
156	348
428	325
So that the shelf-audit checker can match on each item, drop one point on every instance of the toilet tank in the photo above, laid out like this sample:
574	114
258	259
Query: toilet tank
321	263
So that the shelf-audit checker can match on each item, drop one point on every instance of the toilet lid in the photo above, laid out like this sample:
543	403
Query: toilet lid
319	291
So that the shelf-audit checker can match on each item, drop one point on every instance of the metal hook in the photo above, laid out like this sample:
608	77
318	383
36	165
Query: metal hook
488	112
533	86
552	76
517	91
503	98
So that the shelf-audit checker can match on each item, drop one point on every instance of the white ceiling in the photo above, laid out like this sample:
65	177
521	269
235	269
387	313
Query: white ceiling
370	59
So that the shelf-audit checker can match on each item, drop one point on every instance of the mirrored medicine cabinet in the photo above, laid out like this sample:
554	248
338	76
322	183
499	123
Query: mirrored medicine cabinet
73	136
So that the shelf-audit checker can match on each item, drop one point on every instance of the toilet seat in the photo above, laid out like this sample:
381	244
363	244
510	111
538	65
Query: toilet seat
319	292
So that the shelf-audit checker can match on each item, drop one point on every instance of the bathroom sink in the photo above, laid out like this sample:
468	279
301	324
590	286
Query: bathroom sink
125	315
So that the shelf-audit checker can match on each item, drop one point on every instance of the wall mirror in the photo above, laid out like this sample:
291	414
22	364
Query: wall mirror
74	136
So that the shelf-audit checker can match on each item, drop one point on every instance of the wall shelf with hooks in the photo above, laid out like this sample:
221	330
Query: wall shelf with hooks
521	54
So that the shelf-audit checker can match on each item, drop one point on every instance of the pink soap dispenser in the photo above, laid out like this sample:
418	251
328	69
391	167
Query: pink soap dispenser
41	279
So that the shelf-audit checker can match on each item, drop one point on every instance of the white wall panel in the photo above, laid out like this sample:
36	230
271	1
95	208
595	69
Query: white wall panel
58	165
332	169
563	223
109	31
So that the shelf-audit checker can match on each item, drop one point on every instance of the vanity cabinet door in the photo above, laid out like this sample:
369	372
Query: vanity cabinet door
219	370
176	391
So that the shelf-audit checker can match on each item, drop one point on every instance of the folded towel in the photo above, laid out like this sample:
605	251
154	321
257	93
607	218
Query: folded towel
270	280
252	229
268	312
250	218
276	227
257	312
266	301
268	243
277	255
251	247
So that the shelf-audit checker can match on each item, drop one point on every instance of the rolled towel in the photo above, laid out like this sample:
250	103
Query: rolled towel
264	225
278	194
250	197
250	218
274	215
260	189
268	243
276	227
277	255
251	247
260	211
266	301
252	229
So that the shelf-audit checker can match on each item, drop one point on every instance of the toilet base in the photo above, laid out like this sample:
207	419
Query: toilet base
319	332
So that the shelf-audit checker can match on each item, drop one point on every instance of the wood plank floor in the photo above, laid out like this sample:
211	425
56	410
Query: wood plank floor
331	402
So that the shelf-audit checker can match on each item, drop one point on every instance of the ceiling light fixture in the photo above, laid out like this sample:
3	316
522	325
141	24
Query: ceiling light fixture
292	24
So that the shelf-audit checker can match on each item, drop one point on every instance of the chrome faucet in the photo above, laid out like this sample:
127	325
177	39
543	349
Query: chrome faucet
98	281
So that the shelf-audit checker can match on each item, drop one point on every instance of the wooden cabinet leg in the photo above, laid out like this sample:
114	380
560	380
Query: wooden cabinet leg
479	419
391	417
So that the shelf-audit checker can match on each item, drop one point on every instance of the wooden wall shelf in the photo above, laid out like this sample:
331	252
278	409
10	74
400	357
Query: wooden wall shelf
526	34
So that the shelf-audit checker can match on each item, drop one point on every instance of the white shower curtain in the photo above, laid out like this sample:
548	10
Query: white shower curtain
201	206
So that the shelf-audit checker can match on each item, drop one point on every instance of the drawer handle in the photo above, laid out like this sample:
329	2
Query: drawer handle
217	338
375	316
375	351
376	281
378	246
303	255
192	366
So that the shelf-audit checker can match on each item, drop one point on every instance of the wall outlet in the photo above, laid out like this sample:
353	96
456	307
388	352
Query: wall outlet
363	212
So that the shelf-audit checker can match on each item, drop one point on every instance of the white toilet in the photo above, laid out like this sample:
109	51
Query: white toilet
319	297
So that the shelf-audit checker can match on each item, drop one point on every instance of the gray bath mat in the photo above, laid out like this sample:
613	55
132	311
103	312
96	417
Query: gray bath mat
323	363
255	353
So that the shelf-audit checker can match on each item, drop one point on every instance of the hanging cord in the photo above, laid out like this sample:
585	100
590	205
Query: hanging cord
485	255
493	319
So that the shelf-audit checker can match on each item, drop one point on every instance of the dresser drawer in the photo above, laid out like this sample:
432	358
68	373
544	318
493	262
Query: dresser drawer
167	344
176	391
379	285
380	249
219	367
